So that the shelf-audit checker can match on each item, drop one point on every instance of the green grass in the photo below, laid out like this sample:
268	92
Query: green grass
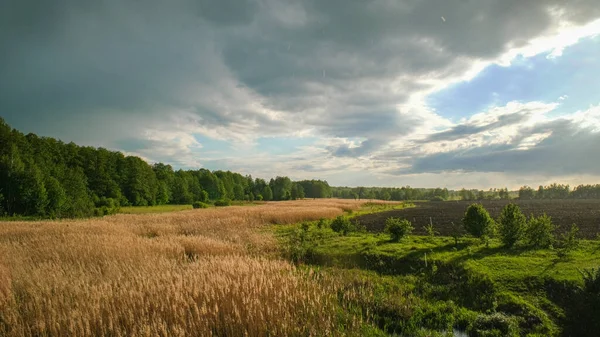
370	208
154	209
485	289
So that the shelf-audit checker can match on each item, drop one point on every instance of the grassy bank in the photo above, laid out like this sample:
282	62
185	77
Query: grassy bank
427	285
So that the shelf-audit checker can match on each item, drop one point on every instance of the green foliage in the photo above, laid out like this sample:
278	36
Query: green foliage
477	221
398	228
297	191
430	230
512	225
267	194
223	203
540	231
200	204
281	188
568	241
436	198
43	177
591	281
315	188
343	225
526	193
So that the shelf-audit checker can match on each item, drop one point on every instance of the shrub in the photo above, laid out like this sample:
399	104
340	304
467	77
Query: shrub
223	202
591	281
199	204
430	230
477	220
540	231
342	225
436	198
512	225
398	228
568	241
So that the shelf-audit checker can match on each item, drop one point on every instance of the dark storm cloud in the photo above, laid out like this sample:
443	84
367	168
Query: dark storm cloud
339	67
569	150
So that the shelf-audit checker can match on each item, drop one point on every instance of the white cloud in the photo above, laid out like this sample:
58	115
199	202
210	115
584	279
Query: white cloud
353	73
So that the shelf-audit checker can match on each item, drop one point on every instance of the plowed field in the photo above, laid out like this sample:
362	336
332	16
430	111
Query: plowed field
584	213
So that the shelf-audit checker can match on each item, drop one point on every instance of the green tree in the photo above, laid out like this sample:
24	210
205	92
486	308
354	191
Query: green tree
56	197
267	194
78	203
281	188
181	193
540	231
398	228
238	192
526	193
512	225
32	191
297	191
477	220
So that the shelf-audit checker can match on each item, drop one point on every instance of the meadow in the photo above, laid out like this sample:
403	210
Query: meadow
452	284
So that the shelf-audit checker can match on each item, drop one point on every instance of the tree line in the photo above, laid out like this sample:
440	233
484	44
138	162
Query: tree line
558	191
390	193
44	177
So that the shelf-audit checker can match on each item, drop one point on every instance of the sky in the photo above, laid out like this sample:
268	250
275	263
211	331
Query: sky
426	93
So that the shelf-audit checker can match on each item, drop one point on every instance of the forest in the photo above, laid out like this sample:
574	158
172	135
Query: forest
44	177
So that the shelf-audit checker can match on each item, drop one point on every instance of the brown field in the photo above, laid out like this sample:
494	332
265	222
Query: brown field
190	273
584	213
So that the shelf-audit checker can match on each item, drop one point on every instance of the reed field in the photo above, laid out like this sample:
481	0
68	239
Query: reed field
190	273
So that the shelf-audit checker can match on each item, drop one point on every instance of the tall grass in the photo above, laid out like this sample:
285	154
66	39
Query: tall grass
199	272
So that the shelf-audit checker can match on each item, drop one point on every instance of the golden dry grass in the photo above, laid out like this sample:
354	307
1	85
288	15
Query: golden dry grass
191	273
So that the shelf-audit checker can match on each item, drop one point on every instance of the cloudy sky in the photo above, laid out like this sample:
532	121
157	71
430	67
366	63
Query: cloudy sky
454	93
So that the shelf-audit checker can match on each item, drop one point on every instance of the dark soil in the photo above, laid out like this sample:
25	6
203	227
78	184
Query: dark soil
583	213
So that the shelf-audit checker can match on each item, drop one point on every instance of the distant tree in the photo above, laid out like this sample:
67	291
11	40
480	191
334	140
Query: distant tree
477	221
56	197
526	193
480	195
267	194
297	191
238	192
281	188
181	193
503	194
512	225
78	203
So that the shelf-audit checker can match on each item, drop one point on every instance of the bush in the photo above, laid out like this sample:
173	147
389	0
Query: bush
568	241
477	220
591	281
512	225
343	225
223	202
199	204
540	231
321	223
398	228
436	198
